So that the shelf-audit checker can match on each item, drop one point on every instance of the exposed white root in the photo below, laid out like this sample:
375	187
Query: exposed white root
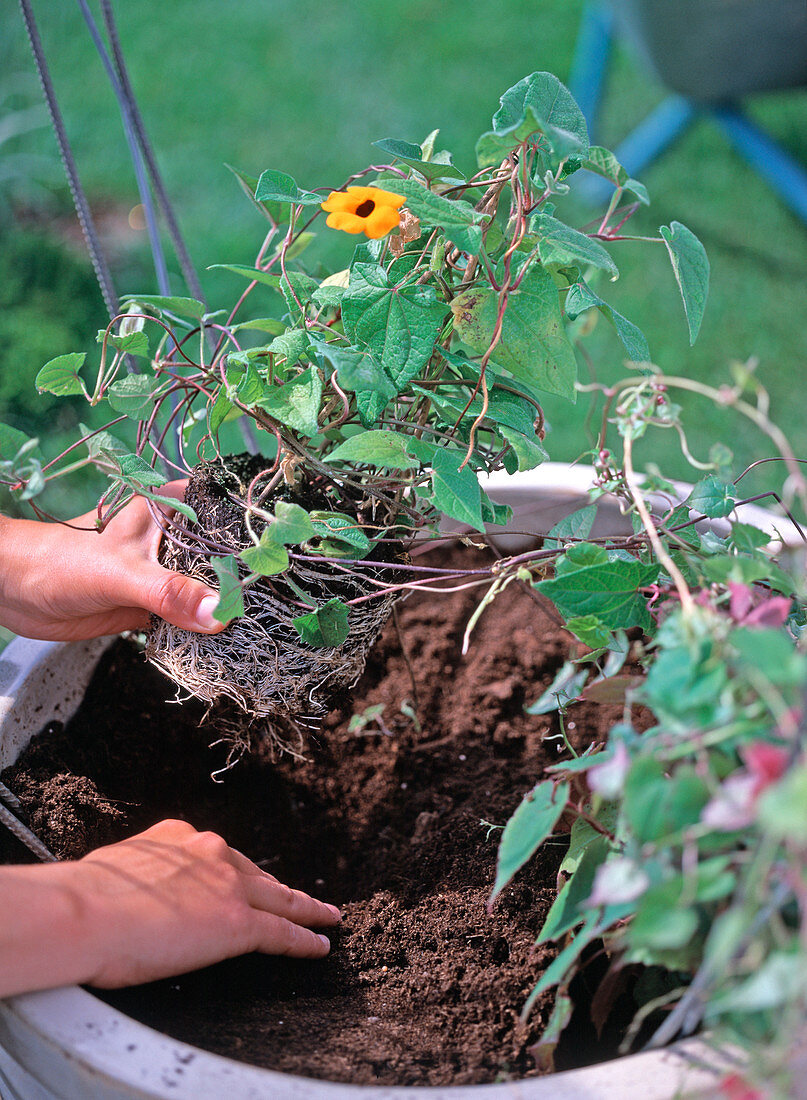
259	661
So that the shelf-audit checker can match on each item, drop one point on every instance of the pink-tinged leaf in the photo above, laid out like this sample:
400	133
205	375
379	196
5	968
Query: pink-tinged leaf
766	763
741	600
772	613
735	1087
608	779
733	806
617	881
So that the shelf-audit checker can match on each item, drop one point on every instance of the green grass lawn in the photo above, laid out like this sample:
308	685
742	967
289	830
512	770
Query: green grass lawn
306	87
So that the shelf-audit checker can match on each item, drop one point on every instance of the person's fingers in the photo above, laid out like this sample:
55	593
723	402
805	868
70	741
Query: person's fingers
246	866
277	936
170	829
180	600
293	905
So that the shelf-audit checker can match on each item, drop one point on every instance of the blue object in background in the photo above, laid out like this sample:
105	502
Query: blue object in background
711	52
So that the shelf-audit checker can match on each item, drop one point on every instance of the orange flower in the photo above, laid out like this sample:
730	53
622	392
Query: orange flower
367	210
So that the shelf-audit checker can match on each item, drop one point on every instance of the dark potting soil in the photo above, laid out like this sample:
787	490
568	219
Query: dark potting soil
389	821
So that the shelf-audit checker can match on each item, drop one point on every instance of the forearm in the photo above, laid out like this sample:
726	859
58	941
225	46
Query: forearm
68	581
21	542
45	934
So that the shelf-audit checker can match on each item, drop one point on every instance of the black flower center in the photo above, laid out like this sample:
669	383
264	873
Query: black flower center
366	208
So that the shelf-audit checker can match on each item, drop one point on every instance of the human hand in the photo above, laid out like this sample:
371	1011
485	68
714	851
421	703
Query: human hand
171	900
162	903
58	582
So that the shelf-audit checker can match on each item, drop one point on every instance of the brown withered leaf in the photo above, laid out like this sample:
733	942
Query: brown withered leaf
612	690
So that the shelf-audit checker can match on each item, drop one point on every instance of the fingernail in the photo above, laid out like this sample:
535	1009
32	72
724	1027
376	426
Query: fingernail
326	941
336	912
204	613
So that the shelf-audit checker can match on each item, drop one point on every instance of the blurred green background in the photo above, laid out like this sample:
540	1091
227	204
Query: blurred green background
305	87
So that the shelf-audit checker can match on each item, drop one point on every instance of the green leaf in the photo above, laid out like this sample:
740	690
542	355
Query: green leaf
505	409
262	324
134	395
328	296
581	297
251	387
254	274
606	589
527	449
268	557
527	829
583	835
497	514
374	448
543	1050
412	155
292	525
604	163
360	372
534	346
577	525
398	324
160	303
537	104
723	568
561	965
292	345
434	209
456	492
231	595
558	243
60	375
657	805
712	497
338	530
781	807
136	469
327	626
219	411
639	190
12	441
780	980
133	343
590	631
277	212
170	502
278	187
564	689
691	267
747	538
567	909
661	924
296	403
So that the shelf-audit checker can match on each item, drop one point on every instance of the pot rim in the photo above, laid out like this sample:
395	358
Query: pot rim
68	1039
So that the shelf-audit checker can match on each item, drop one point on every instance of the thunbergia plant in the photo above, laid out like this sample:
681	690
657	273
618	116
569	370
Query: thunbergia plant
688	846
383	393
375	401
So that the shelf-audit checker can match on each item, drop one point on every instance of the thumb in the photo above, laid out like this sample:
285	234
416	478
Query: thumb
180	600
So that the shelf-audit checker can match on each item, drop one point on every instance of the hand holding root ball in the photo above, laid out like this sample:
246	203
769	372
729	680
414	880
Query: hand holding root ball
68	582
171	899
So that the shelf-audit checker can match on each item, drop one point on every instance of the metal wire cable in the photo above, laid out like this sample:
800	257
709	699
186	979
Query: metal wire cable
167	210
160	266
24	834
79	198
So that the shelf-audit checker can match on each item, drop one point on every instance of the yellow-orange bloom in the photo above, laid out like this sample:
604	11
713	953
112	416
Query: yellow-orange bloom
367	210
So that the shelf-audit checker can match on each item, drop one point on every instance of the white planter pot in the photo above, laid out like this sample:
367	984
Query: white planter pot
66	1044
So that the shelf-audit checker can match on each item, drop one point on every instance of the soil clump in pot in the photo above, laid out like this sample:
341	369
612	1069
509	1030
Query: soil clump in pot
278	681
390	820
